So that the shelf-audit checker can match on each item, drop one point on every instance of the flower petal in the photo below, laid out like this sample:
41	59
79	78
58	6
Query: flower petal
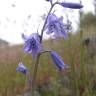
71	5
57	60
27	48
24	37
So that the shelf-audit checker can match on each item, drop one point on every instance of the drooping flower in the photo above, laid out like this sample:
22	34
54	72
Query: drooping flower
32	44
71	5
56	26
21	68
58	61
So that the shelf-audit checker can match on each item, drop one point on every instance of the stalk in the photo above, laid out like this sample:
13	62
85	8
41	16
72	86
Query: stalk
38	56
35	74
74	82
46	21
83	68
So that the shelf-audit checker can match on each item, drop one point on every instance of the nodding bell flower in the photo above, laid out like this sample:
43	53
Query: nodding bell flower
32	44
56	26
58	61
71	5
21	68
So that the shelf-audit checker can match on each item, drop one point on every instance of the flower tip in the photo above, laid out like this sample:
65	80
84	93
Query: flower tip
82	6
48	0
23	36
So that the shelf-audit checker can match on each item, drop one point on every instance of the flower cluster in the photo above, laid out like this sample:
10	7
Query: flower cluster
53	25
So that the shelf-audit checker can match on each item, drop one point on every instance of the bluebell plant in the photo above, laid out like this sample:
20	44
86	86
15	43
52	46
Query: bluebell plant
22	68
53	25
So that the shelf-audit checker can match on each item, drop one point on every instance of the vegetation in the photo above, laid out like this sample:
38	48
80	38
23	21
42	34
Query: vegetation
78	80
3	43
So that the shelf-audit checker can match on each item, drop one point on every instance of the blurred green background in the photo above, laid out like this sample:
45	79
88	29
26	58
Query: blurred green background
79	52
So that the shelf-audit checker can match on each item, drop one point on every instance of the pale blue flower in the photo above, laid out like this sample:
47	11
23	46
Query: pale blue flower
32	44
58	61
56	27
71	5
21	68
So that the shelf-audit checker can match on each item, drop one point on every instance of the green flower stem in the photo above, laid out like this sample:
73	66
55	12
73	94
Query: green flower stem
38	56
74	82
84	74
35	71
46	21
35	74
45	51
